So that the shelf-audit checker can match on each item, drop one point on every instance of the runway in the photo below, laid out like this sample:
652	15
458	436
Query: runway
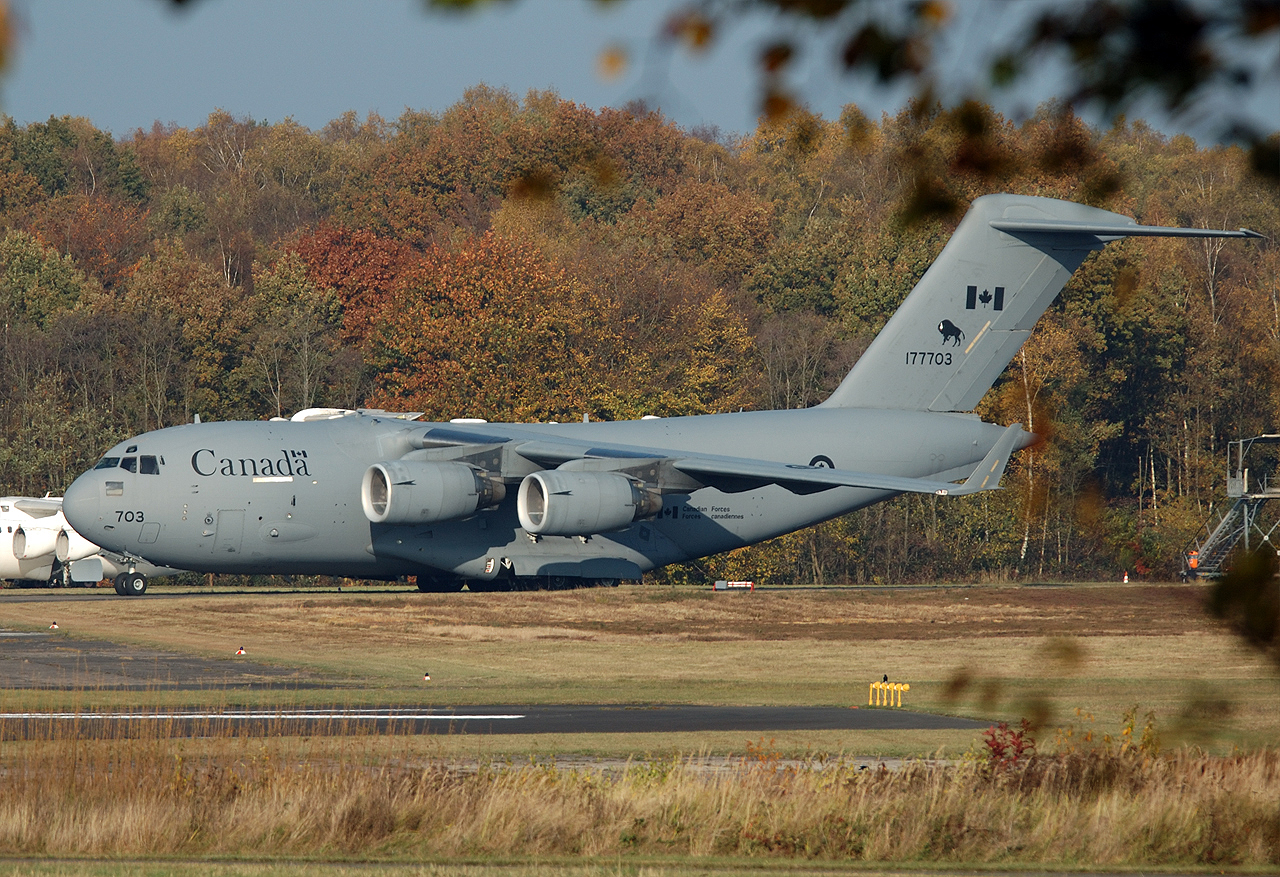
53	662
539	719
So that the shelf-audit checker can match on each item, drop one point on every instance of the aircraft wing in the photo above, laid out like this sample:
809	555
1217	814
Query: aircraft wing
736	474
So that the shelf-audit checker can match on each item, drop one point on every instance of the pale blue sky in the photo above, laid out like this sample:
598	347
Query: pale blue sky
127	63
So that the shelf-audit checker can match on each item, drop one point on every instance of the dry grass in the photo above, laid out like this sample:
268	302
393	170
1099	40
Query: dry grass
630	867
150	796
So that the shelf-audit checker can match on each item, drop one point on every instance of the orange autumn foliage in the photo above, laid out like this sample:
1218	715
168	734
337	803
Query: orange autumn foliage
361	267
495	331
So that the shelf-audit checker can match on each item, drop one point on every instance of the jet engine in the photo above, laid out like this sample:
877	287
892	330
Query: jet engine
33	543
419	492
70	546
559	503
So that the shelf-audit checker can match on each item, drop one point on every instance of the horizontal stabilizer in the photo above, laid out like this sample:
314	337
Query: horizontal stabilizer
1112	231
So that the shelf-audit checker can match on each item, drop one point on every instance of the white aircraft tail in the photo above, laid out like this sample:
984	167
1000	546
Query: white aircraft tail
976	305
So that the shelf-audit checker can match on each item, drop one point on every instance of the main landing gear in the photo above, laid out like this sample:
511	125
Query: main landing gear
539	583
439	585
131	584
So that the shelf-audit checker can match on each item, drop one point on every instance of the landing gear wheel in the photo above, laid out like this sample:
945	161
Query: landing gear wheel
135	584
606	583
560	583
119	582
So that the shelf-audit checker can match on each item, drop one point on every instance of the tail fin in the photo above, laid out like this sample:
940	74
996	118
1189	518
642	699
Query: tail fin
975	306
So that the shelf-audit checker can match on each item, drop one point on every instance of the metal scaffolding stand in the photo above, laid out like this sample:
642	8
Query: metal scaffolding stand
1207	558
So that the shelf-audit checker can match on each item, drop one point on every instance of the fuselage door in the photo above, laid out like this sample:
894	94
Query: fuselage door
230	531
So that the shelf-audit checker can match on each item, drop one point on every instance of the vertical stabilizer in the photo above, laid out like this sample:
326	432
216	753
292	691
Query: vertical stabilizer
976	305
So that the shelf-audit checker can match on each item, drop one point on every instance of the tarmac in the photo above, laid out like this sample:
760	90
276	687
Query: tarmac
518	719
52	662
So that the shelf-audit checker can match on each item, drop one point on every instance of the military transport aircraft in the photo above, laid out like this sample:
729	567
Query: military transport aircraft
374	495
38	546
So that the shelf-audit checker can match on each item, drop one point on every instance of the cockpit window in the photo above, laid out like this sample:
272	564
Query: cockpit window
149	465
129	464
108	463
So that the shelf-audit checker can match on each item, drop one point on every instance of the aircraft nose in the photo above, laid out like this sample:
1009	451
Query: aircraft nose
80	503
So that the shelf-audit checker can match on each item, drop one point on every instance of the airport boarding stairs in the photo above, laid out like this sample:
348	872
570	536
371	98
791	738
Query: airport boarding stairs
1208	557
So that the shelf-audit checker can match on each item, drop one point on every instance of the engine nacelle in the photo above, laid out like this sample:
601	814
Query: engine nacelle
33	542
560	503
419	492
70	546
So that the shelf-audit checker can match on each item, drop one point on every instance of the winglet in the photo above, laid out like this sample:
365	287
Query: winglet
988	473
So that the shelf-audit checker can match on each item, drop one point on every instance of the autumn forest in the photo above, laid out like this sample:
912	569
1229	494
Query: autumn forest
533	259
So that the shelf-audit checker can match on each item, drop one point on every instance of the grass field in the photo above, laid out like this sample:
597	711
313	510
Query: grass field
1074	658
987	652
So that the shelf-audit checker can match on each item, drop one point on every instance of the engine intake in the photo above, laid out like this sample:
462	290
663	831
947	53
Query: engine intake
33	543
560	503
71	546
412	492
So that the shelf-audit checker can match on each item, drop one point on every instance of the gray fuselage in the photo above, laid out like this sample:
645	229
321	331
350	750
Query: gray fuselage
284	497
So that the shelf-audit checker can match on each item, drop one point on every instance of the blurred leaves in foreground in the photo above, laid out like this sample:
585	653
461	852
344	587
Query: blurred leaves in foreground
1248	599
1194	60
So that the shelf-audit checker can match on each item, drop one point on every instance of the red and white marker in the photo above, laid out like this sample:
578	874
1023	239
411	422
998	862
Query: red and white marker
240	651
426	677
53	626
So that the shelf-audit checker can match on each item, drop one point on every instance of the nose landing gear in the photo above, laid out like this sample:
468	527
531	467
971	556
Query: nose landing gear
131	584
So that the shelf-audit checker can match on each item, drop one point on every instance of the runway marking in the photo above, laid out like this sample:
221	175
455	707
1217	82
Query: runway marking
254	715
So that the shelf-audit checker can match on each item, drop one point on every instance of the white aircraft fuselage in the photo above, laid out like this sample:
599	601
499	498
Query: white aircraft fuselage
38	545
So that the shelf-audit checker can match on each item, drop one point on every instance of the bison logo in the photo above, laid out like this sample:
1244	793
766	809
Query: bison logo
951	332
